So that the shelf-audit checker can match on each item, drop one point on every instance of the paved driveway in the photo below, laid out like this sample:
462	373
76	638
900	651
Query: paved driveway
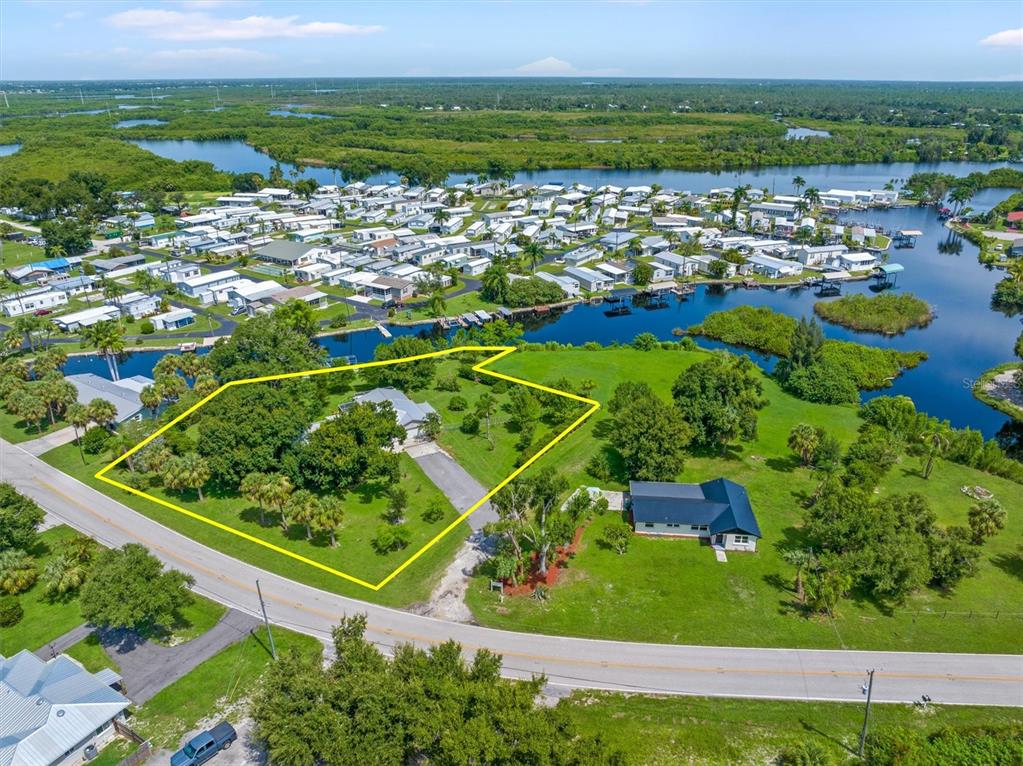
454	481
147	668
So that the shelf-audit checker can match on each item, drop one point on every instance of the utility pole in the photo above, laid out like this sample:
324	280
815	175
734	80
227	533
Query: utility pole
270	635
866	712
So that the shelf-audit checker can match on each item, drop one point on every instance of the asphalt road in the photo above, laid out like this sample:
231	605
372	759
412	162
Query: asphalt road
567	662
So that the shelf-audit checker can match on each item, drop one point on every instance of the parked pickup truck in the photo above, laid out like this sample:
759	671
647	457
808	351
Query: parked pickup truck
204	746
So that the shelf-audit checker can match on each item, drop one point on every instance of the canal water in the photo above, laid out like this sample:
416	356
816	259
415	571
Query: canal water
966	338
238	157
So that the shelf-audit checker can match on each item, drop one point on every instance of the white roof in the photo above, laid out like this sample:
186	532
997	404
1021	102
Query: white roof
213	276
47	708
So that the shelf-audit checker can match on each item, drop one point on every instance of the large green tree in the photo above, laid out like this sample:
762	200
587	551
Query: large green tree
128	588
720	397
424	706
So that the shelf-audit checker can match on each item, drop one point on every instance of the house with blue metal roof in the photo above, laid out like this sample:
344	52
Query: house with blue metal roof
718	510
55	711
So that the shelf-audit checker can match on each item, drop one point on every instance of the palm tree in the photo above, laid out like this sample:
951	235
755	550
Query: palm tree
330	517
278	491
437	303
803	440
150	398
255	487
812	196
195	472
17	571
1015	271
303	508
64	574
102	412
739	195
495	283
799	182
112	291
441	217
108	338
78	416
935	444
986	518
29	325
205	384
802	559
486	405
28	407
534	254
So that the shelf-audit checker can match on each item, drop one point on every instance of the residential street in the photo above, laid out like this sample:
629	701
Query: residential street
567	662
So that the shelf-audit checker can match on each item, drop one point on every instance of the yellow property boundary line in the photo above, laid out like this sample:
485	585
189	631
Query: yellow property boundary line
502	351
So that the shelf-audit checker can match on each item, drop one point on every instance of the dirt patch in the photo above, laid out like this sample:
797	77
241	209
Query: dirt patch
447	602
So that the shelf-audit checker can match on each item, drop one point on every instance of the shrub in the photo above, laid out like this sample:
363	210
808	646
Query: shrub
391	538
147	327
95	440
805	754
599	467
500	387
470	423
645	341
457	404
434	512
10	611
448	383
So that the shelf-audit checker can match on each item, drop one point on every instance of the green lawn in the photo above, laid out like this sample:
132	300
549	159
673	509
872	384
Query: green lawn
216	687
91	654
663	731
44	619
455	306
14	254
685	596
14	430
353	554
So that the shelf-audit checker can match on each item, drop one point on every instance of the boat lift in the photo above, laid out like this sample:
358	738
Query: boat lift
886	275
906	238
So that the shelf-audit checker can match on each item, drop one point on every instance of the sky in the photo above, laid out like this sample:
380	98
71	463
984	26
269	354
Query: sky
80	39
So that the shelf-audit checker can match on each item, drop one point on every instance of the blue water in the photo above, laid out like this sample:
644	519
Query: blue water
800	133
6	149
964	340
133	123
303	115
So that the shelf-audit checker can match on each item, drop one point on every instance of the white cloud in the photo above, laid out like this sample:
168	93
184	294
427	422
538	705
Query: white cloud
163	24
555	67
207	55
549	67
1007	38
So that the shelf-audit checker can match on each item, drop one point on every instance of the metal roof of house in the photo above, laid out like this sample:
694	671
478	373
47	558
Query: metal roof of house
47	708
720	504
408	412
123	394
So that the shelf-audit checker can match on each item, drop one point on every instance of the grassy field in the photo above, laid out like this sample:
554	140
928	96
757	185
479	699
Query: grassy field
454	306
14	254
747	601
663	731
44	619
413	586
14	430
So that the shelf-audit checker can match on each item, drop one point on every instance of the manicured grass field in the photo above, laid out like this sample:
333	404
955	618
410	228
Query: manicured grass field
675	591
44	619
14	254
362	517
664	731
14	430
91	654
455	306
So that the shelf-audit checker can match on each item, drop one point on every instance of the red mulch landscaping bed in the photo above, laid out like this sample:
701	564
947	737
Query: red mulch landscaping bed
561	556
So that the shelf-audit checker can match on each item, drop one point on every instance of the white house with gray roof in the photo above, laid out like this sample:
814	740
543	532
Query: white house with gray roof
123	393
53	712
